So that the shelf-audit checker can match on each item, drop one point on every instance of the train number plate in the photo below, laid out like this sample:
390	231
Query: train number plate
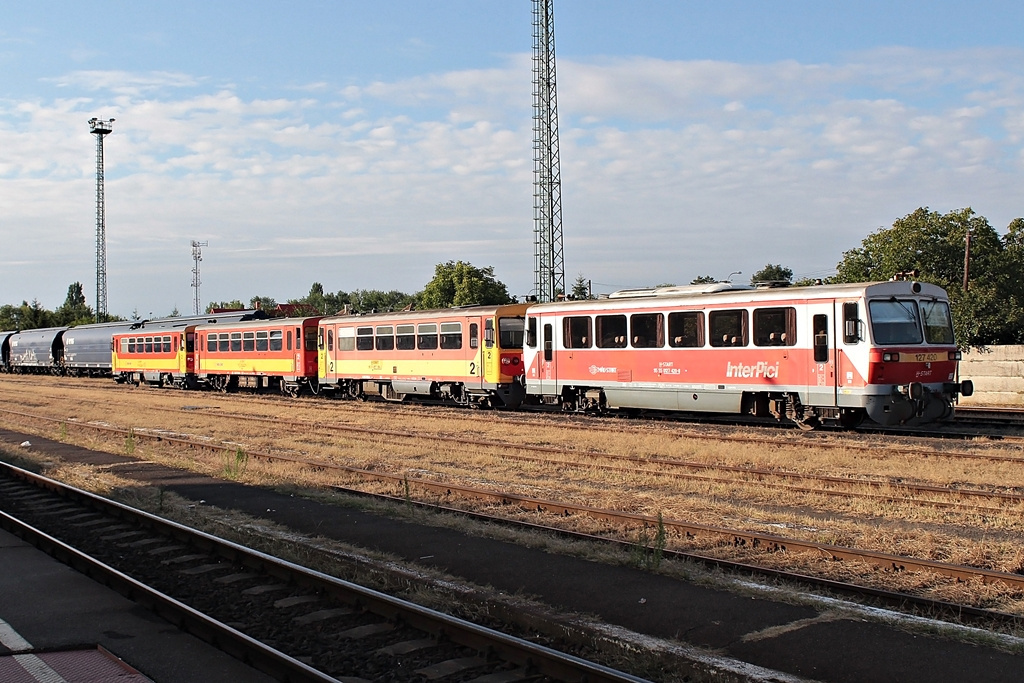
921	357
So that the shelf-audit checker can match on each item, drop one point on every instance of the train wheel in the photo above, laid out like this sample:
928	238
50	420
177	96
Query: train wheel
851	419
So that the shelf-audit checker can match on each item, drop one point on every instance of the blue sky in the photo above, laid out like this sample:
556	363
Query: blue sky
359	144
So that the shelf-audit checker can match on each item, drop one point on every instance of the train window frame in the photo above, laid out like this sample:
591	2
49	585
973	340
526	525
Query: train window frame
488	334
610	331
167	343
384	338
275	340
148	345
878	308
364	339
474	335
851	323
426	336
262	340
310	339
819	332
531	332
289	335
770	330
249	341
679	336
451	335
346	339
511	329
944	331
211	342
223	343
736	333
236	342
651	332
577	332
405	337
330	339
124	345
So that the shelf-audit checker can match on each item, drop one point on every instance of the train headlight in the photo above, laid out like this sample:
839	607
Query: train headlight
892	357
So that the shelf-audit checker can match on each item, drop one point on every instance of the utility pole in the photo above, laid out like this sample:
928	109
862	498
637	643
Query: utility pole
967	259
197	256
549	269
100	129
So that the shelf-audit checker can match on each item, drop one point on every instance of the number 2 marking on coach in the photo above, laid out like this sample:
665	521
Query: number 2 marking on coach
472	368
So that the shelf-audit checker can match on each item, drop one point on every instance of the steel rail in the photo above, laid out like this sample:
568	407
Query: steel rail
691	531
540	659
759	472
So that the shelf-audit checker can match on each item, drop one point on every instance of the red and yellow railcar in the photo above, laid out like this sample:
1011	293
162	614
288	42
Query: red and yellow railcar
470	355
162	352
276	354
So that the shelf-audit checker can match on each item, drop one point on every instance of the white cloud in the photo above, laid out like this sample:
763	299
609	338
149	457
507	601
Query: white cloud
669	170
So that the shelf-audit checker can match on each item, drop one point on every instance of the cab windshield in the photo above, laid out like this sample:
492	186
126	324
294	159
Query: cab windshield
510	332
895	321
938	325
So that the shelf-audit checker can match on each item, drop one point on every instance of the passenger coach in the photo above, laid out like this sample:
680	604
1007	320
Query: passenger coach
162	352
805	354
471	356
279	354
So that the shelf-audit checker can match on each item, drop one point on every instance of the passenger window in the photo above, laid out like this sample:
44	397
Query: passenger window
330	340
647	330
275	340
236	341
223	343
426	338
364	338
406	337
451	335
167	344
211	342
261	341
775	326
385	338
576	332
249	341
149	345
548	343
686	329
474	335
531	334
728	328
310	339
610	331
289	340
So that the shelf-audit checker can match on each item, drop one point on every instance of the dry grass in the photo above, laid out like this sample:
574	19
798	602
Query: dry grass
898	525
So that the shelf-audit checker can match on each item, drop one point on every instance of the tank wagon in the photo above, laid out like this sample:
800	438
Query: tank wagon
162	351
87	348
469	356
5	350
37	351
833	353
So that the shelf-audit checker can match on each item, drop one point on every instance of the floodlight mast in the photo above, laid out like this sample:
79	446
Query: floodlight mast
549	269
197	256
100	129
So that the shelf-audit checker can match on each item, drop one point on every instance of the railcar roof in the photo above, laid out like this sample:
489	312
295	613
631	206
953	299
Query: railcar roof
413	316
266	323
737	294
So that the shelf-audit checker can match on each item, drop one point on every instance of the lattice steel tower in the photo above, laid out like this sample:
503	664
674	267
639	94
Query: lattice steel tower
100	129
549	270
197	256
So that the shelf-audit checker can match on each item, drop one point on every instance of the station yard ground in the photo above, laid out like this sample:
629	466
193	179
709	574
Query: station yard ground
798	641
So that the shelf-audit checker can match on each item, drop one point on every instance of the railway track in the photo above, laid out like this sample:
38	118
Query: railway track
293	623
404	487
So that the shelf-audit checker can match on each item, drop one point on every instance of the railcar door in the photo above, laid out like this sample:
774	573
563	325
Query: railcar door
547	358
822	383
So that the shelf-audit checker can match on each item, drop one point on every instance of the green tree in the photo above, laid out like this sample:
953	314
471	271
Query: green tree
233	305
703	280
580	288
457	283
933	245
74	311
772	273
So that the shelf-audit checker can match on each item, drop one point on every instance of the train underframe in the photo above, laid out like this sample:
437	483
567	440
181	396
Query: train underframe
457	393
903	405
